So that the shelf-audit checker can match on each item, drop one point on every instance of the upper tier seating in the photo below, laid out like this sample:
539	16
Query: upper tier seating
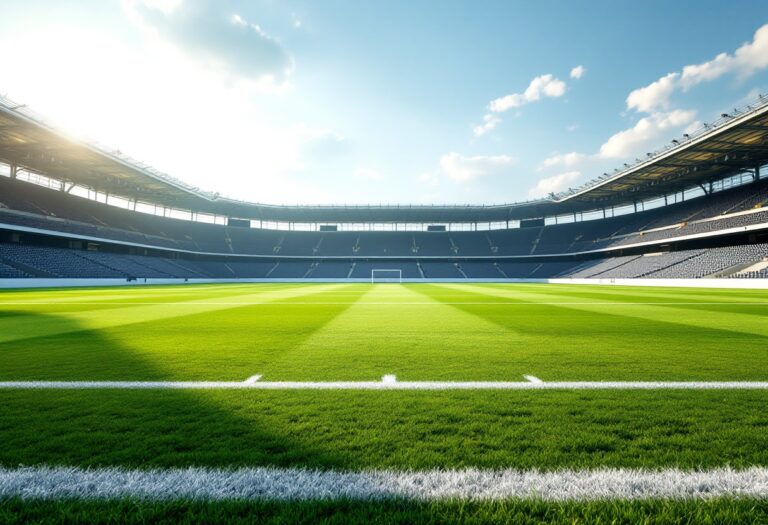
25	205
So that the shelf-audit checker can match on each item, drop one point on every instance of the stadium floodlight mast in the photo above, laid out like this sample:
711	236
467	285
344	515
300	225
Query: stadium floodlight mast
384	275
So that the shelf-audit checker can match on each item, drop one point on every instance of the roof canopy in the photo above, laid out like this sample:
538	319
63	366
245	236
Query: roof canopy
736	142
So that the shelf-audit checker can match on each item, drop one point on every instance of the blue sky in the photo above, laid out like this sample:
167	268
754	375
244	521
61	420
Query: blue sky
388	102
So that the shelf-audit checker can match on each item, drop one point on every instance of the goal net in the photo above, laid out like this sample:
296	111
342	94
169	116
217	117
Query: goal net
386	276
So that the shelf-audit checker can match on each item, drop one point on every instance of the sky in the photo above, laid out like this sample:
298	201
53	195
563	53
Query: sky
353	102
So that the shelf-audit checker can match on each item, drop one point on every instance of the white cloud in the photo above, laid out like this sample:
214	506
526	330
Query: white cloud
653	96
565	159
706	71
490	121
749	58
753	56
223	40
578	72
635	140
462	169
541	86
745	61
553	184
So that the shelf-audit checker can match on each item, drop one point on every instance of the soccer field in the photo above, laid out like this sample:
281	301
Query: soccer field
486	377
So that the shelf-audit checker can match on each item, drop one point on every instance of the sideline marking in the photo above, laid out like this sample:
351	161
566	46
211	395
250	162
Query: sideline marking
264	483
386	385
284	302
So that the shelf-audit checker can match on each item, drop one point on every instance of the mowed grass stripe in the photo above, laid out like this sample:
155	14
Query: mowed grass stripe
380	335
180	294
724	300
85	303
600	343
749	321
217	344
738	301
181	344
33	297
107	317
498	337
652	293
140	288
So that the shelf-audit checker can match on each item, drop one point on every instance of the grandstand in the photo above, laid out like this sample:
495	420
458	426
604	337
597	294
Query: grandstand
697	209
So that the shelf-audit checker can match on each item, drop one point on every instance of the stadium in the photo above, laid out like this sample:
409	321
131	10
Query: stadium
596	354
692	210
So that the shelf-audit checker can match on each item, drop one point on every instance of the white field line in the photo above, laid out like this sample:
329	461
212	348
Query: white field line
44	482
386	303
386	385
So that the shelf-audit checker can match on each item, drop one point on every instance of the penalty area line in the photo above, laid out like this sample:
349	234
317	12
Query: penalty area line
296	484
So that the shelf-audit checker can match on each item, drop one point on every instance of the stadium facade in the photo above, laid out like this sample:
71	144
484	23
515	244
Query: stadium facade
76	210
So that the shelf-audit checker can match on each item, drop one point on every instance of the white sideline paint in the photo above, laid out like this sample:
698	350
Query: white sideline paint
392	303
386	385
375	485
533	379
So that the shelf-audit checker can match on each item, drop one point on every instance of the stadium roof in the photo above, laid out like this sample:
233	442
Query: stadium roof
736	142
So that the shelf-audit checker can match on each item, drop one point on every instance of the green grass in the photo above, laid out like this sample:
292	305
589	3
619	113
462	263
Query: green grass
718	511
403	430
324	332
361	332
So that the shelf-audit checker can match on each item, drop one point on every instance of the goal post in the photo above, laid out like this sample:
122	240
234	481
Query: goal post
385	275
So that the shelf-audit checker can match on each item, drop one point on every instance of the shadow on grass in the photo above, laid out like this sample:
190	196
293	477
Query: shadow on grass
132	428
229	344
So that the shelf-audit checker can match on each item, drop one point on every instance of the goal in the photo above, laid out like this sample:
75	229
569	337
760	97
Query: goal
386	276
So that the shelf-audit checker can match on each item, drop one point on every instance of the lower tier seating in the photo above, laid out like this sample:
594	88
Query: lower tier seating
23	260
